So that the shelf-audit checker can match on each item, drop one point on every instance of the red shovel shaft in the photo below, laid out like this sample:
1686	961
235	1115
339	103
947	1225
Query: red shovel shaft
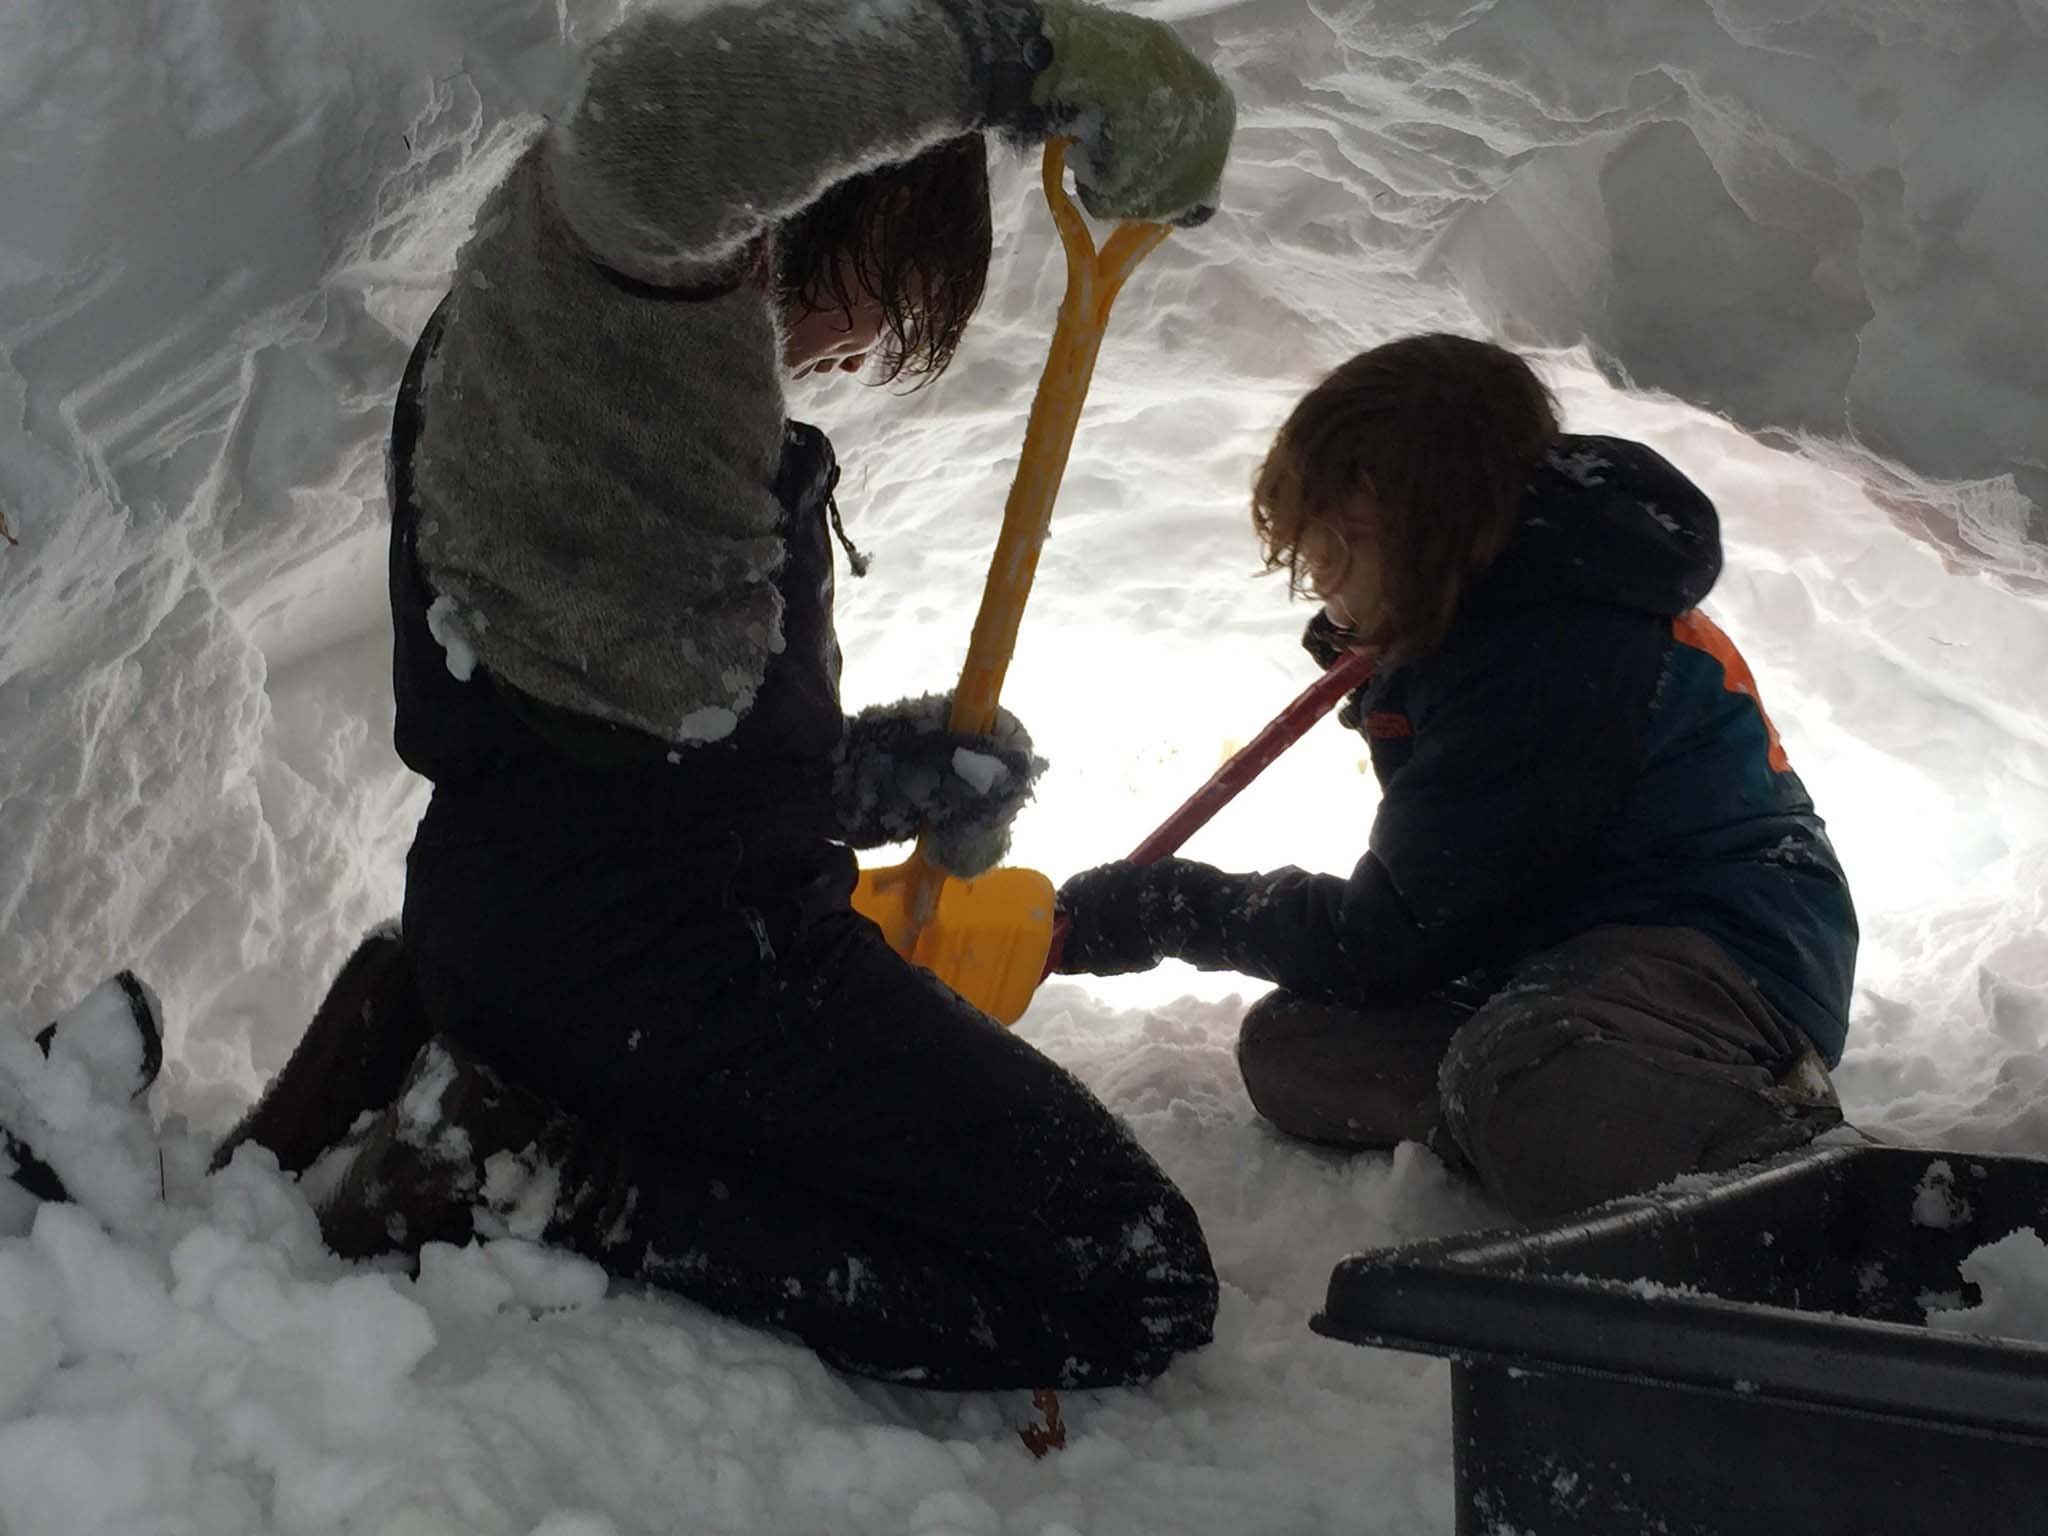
1252	759
1244	765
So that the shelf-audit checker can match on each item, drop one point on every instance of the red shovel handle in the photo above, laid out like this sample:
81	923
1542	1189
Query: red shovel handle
1247	763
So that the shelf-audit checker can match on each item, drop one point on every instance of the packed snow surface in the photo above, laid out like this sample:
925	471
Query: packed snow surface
1805	238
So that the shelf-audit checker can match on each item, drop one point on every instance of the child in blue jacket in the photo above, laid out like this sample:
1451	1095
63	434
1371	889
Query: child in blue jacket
1599	937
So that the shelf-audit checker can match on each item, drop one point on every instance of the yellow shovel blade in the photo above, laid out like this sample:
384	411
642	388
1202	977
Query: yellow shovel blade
987	940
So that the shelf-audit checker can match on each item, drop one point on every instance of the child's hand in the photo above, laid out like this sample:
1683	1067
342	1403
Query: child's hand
1327	641
1106	934
1126	917
1153	121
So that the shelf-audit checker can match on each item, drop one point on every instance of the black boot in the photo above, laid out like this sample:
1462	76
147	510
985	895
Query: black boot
351	1059
122	1001
459	1153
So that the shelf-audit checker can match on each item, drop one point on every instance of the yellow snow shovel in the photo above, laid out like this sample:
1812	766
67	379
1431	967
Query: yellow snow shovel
987	938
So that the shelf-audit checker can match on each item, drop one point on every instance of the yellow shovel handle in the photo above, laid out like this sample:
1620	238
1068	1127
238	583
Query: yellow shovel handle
1093	281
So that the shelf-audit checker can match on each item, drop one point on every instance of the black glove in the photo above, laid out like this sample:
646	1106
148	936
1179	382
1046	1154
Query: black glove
1125	917
898	770
1327	642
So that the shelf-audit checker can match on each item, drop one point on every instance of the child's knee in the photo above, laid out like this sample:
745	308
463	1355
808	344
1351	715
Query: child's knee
1508	1088
1275	1043
1282	1050
1346	1077
1556	1113
1272	1023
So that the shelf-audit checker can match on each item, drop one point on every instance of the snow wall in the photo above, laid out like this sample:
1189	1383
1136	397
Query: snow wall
1823	223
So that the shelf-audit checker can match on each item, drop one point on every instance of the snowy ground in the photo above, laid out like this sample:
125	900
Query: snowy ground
210	1370
225	224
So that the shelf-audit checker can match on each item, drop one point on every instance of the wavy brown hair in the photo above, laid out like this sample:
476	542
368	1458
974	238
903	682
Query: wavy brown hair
1413	457
917	235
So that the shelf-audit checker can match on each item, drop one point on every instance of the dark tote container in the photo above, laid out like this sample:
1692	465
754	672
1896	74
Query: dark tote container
1736	1355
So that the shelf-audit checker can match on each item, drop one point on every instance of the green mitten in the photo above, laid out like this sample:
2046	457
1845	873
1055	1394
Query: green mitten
1153	122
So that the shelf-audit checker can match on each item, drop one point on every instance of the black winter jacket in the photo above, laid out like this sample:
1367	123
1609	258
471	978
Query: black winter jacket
1584	748
605	808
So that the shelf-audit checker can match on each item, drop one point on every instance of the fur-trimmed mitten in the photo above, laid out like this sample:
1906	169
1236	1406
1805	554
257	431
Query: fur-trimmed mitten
899	770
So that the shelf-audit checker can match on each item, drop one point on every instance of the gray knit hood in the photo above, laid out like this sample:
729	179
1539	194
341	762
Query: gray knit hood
597	459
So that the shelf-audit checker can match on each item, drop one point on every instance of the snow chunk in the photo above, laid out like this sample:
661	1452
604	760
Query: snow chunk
115	1300
521	1190
714	722
62	1474
74	1109
547	1279
359	1336
980	770
446	625
1935	1201
461	1281
2012	1275
483	1279
30	1301
102	1035
1582	466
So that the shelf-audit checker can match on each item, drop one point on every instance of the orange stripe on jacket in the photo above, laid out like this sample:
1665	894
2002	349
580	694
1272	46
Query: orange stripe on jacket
1696	630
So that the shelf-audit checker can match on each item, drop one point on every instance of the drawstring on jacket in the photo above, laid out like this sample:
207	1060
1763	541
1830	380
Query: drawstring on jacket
854	558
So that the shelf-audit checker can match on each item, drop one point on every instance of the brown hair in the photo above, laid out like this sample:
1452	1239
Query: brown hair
917	236
1415	455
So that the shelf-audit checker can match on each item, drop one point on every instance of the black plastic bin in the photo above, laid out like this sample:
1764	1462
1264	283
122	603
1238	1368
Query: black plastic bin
1741	1355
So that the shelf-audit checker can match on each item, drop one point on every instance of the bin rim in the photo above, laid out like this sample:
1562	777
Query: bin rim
1467	1298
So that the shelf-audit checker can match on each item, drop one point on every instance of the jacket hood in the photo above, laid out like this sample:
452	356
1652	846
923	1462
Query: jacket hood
1606	520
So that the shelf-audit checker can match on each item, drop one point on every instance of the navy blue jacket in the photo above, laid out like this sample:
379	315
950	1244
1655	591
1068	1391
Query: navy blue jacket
1583	748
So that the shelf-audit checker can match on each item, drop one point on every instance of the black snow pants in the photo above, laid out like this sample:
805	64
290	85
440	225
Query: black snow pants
1615	1062
791	1125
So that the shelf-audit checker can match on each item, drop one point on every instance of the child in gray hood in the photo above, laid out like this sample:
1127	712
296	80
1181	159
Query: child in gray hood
629	1009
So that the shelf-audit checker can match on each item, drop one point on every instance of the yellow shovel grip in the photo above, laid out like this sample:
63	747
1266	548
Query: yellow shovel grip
1093	280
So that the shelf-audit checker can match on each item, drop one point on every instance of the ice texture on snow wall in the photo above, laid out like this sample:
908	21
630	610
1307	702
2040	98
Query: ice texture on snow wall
225	226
